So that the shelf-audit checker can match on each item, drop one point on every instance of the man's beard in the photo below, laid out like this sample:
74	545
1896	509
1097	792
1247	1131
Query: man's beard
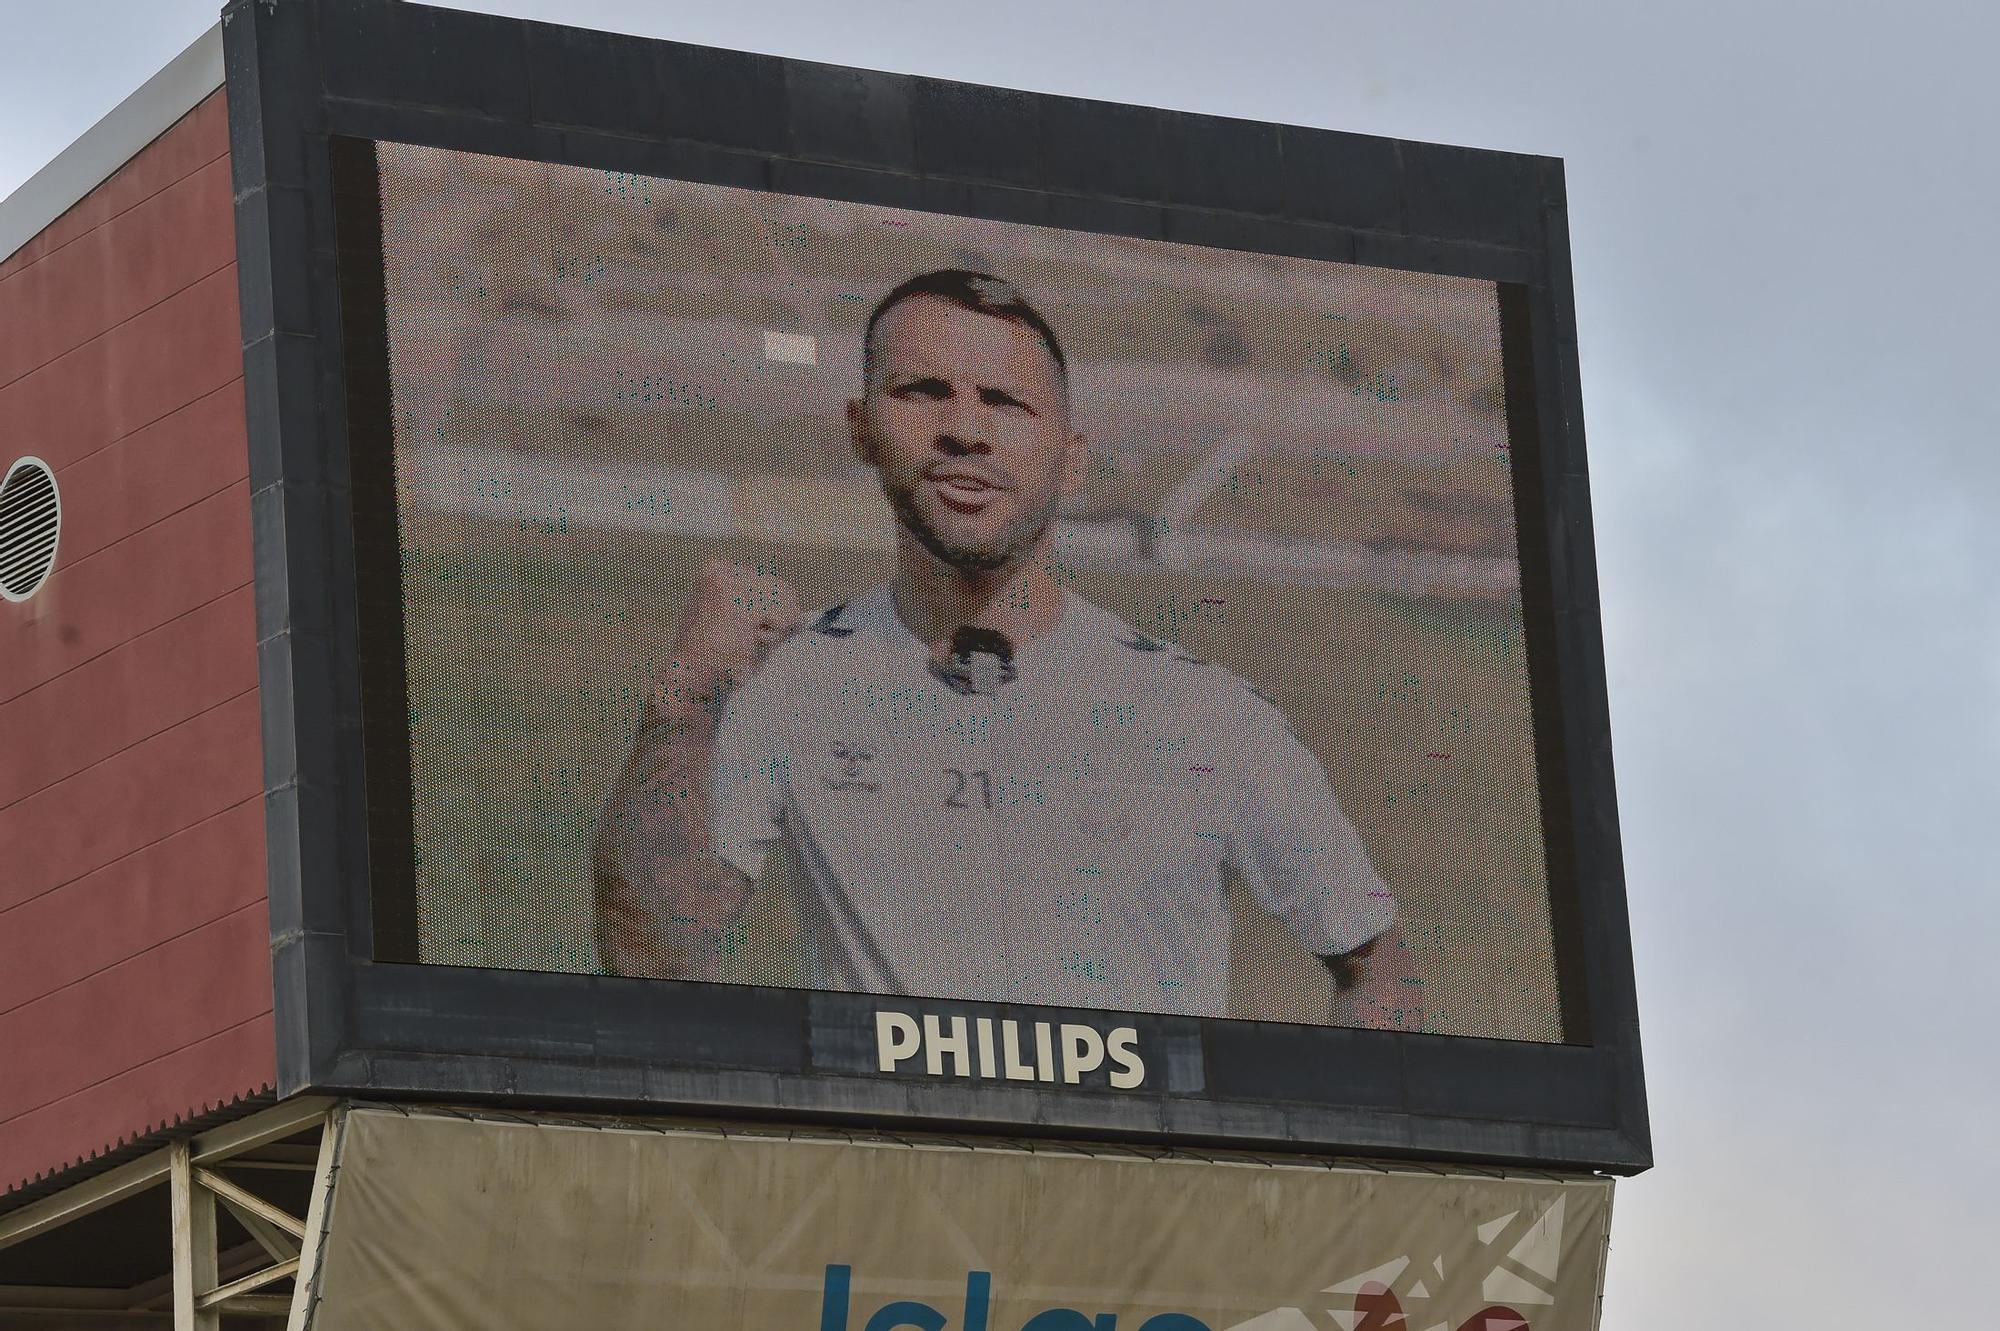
1012	541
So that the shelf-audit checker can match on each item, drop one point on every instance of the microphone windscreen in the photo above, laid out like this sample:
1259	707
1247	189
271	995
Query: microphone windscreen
969	639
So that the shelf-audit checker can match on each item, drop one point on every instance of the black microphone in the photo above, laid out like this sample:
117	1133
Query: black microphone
982	660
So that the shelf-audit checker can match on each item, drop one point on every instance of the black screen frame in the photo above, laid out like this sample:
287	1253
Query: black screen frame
312	84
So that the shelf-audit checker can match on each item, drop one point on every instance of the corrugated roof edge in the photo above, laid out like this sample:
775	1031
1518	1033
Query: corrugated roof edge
127	1149
113	141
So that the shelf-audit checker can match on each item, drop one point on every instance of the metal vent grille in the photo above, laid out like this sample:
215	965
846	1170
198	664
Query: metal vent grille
30	522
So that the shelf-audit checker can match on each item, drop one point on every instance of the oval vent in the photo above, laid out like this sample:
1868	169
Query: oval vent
30	522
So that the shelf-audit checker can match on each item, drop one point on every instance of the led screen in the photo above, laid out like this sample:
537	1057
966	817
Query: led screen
806	593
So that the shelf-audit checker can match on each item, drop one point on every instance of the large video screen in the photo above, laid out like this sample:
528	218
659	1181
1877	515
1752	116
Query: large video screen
798	592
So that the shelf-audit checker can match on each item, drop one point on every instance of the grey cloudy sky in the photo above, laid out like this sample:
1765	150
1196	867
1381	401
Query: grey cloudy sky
1783	218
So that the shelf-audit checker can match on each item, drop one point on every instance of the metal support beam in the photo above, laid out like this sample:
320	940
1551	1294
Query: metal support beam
82	1319
192	1209
260	1305
284	1247
260	1129
158	1295
241	1197
280	1156
305	1288
278	1245
114	1185
222	1296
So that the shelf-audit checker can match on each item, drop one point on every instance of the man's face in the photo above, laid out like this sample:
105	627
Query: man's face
966	419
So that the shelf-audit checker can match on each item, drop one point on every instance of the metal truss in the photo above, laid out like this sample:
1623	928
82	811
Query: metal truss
206	1284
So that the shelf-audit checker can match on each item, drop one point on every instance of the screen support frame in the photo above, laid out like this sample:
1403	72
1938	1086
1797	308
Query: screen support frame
303	75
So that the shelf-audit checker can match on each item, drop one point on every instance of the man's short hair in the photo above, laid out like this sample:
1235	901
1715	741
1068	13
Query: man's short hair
982	293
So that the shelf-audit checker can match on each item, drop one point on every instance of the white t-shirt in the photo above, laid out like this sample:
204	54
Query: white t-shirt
1059	841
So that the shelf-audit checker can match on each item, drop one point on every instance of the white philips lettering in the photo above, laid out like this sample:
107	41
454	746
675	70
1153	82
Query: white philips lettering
1082	1051
937	1044
1121	1045
987	1048
897	1037
986	1066
1010	1051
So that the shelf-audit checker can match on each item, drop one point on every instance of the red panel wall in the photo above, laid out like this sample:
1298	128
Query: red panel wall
135	973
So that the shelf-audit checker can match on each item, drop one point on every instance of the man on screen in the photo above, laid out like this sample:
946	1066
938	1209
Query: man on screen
996	789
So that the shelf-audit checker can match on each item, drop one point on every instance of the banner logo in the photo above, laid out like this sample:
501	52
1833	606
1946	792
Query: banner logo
1518	1259
1375	1308
908	1313
1523	1272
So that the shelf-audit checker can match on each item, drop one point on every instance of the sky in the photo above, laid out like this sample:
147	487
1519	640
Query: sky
1780	216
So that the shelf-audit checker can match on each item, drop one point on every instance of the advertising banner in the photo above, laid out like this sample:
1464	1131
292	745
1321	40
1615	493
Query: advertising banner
448	1222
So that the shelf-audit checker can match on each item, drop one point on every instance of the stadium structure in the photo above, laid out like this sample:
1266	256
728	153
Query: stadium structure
232	1092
